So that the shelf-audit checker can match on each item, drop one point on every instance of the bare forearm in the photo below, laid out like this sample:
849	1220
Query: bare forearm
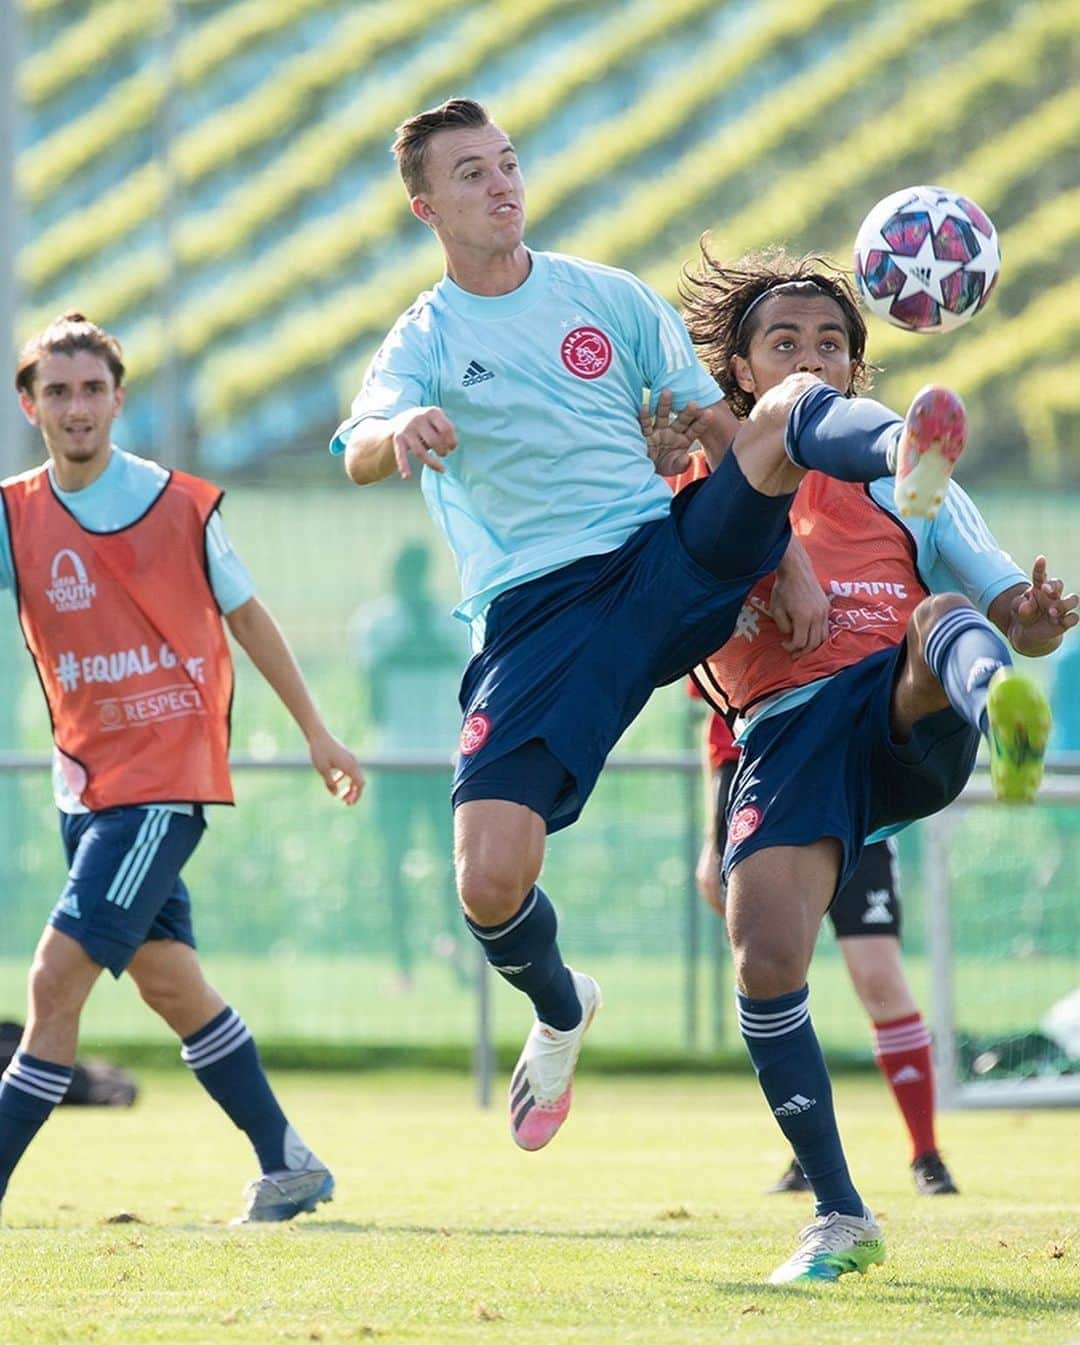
369	454
258	634
717	433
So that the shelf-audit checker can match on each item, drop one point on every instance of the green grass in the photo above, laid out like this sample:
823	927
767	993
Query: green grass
643	1224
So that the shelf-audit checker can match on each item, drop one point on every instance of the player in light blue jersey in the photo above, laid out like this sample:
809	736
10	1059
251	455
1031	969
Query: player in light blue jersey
116	564
878	726
516	384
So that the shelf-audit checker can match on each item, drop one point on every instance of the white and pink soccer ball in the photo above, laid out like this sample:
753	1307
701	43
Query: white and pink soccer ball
926	259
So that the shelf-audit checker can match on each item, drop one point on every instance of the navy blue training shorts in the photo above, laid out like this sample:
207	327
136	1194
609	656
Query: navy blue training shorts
830	767
124	886
570	658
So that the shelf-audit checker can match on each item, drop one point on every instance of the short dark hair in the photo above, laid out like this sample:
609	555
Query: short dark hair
70	332
410	146
718	302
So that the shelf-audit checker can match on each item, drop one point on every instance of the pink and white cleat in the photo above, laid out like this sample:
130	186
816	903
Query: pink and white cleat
542	1082
929	446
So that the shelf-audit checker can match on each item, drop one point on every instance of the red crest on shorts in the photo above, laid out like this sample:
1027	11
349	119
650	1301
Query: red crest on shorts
474	733
745	822
586	352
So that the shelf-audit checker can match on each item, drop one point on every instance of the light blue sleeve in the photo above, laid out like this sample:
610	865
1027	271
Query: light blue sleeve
966	555
397	379
665	351
230	582
7	564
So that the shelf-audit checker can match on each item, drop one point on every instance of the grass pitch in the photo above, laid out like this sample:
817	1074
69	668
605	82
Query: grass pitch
644	1222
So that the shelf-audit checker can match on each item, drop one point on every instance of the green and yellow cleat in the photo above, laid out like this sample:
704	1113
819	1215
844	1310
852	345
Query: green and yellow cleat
1019	729
831	1246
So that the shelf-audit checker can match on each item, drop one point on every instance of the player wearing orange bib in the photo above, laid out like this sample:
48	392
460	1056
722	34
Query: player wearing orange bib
123	574
876	726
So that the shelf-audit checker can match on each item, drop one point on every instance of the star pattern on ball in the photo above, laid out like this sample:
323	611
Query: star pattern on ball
925	272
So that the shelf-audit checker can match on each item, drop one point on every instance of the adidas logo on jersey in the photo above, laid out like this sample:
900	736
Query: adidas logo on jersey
795	1104
475	373
909	1074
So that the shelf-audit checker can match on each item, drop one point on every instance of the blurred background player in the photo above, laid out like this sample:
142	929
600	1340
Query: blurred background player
411	651
866	919
876	726
124	579
516	384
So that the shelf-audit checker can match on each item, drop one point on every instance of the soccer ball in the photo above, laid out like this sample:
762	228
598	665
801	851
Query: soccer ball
926	259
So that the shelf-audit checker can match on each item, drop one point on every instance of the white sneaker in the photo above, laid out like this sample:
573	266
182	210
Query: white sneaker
274	1197
831	1246
542	1082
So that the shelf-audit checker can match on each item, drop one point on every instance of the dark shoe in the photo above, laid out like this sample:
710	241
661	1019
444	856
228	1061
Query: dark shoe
932	1176
794	1179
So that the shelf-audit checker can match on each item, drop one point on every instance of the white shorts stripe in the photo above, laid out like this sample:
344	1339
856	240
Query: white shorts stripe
138	859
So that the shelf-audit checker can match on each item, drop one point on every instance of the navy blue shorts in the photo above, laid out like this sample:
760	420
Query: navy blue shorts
124	885
868	903
830	767
570	658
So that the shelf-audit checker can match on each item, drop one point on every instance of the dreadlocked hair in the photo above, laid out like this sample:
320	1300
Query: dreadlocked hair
717	303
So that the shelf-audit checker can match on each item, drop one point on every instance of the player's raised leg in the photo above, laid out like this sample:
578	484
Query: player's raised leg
957	657
499	847
858	439
220	1051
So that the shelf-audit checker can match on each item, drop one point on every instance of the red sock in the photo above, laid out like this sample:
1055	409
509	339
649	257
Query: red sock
902	1052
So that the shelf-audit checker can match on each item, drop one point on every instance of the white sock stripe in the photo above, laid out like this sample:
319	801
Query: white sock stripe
762	1026
212	1038
524	913
902	1039
38	1082
765	1019
221	1042
227	1048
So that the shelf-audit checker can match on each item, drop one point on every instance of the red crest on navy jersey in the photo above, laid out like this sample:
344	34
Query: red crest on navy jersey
586	352
474	733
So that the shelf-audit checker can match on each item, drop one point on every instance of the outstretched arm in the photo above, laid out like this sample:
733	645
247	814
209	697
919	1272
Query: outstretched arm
377	447
260	636
1034	617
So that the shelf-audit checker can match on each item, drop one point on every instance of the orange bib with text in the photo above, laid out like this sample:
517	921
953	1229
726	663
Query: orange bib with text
128	642
864	559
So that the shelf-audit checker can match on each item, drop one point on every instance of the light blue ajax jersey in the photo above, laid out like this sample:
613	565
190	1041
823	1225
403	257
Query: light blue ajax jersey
543	387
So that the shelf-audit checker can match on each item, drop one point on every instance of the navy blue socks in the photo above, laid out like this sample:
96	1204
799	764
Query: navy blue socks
524	952
963	652
846	437
225	1061
791	1071
29	1090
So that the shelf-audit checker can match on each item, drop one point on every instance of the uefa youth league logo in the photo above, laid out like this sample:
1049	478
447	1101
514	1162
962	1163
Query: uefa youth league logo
70	589
586	352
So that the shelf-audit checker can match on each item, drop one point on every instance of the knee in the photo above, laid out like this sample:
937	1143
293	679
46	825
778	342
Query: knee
767	967
930	611
490	894
160	994
52	995
772	409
